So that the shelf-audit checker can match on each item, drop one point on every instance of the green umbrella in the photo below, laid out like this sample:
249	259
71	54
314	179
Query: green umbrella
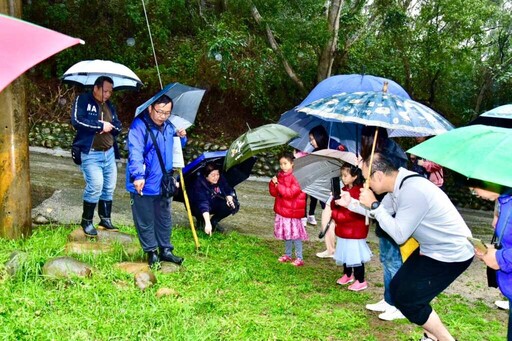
478	152
257	140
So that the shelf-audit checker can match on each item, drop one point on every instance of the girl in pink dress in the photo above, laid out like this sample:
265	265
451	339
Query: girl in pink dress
289	207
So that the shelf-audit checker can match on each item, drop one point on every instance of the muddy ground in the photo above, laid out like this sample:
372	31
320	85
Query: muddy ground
57	188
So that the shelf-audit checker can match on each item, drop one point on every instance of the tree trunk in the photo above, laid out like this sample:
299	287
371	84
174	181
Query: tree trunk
327	55
275	47
15	194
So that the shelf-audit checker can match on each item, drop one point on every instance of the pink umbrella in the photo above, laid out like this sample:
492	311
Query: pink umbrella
23	45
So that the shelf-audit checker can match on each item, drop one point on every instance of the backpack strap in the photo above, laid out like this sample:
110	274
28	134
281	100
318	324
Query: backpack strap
410	176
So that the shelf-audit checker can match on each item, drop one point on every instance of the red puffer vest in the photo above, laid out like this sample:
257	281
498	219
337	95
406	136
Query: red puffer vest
349	225
290	200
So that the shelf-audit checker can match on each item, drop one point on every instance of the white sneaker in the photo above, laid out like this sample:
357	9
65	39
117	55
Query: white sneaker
380	306
505	305
325	254
391	314
426	338
311	220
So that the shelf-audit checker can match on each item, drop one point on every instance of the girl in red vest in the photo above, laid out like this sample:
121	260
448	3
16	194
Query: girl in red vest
289	207
352	251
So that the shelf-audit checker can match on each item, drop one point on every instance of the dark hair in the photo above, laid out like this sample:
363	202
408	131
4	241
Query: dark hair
367	136
210	167
287	155
489	186
164	99
321	137
354	171
382	162
102	79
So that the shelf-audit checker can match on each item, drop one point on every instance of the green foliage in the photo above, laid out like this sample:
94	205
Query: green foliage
455	56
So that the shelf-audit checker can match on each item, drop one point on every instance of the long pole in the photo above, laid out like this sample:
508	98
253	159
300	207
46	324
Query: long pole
15	194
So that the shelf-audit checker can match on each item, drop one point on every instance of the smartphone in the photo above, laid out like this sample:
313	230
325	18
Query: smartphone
478	244
335	187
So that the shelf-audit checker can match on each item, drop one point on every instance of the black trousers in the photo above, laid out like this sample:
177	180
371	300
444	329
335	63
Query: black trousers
419	281
218	211
152	218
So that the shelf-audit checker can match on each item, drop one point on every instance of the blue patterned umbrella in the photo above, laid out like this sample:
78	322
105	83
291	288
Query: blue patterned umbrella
344	133
381	109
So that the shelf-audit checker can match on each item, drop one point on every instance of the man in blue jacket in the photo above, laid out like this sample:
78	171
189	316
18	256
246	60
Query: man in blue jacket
152	211
96	122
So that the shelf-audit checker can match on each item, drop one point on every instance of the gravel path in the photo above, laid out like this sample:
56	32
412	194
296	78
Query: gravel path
57	191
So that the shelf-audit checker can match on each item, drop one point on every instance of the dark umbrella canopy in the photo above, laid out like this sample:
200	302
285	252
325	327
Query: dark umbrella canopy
234	175
186	100
498	117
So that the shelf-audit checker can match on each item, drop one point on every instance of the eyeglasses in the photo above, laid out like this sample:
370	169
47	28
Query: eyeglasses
161	112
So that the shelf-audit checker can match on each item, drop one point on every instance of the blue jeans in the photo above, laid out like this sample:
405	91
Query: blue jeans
391	260
100	175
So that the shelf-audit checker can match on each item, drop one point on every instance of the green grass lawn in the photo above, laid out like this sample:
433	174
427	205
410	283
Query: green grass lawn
233	288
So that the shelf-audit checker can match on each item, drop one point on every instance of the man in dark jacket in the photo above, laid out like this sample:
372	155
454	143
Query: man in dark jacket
151	210
96	122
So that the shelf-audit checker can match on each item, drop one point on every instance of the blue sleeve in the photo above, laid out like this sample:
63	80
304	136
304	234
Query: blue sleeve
136	146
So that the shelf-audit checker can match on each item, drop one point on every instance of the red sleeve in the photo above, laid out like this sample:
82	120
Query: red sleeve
291	190
272	189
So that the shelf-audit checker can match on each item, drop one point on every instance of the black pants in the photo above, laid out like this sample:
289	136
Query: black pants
218	209
419	281
152	218
358	272
312	205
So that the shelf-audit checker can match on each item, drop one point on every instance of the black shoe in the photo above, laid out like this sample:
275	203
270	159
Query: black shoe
105	211
87	215
88	228
167	255
153	259
216	226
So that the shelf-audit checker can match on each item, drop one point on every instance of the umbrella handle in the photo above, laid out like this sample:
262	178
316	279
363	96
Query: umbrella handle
367	182
187	205
324	231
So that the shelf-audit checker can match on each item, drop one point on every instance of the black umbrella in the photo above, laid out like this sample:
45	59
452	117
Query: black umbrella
498	117
233	176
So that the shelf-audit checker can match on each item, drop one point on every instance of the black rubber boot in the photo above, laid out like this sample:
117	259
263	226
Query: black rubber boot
87	216
153	259
167	255
105	211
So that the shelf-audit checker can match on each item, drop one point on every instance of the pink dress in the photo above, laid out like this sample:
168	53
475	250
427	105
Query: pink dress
289	228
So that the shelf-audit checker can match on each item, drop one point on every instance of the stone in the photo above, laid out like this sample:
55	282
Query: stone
168	267
65	268
132	267
163	292
15	262
81	248
78	235
41	220
144	279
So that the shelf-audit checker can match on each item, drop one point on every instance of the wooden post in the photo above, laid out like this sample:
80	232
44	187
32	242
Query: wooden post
15	194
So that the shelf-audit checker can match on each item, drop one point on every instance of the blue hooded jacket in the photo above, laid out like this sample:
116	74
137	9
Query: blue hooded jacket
142	159
504	255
